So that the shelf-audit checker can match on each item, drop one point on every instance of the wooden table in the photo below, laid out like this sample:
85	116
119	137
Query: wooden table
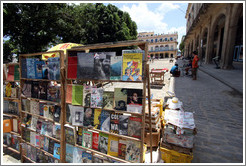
157	76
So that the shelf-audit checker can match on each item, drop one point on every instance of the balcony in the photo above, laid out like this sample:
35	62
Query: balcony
161	50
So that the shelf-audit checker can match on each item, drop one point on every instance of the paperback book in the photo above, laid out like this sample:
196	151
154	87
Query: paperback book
54	68
120	95
53	93
34	123
105	121
46	144
70	134
43	90
88	117
51	146
97	118
26	90
51	111
46	109
72	67
122	149
80	136
35	89
108	100
44	128
38	69
85	68
57	113
123	124
77	155
34	107
86	157
103	143
87	139
115	67
114	123
57	150
41	108
87	95
49	129
57	131
134	127
77	95
77	114
96	97
69	153
39	126
113	142
95	140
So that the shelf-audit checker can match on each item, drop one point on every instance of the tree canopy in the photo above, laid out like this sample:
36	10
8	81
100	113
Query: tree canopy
33	27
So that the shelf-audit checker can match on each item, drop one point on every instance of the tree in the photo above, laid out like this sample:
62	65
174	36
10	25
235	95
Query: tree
181	47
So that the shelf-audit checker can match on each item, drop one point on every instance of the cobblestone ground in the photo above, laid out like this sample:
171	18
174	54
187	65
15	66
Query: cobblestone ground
218	117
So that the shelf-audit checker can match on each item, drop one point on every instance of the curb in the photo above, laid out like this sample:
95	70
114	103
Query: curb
221	80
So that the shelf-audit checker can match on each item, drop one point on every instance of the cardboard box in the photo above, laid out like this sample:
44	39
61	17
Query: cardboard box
155	138
7	125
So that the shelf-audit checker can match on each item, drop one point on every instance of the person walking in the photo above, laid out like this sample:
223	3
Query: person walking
194	65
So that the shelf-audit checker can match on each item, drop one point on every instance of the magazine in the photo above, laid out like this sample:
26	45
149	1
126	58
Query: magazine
103	143
97	118
57	150
77	155
77	114
34	107
115	66
123	124
69	153
46	144
35	89
108	100
87	139
43	90
133	151
122	149
57	130
86	157
39	126
134	127
96	97
30	65
77	94
120	95
26	89
85	69
95	140
57	113
87	95
72	67
105	121
38	69
114	123
69	134
54	68
88	117
113	145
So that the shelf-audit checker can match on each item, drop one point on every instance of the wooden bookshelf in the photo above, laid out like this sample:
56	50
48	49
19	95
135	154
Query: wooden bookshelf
39	116
11	115
27	158
29	79
11	149
41	100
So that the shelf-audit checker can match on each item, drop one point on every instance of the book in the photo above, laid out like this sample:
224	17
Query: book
38	69
54	68
95	140
57	150
134	108
87	95
44	128
105	121
11	70
14	93
43	86
41	108
69	134
8	90
26	135
33	138
85	68
97	118
35	89
88	117
114	123
132	67
134	127
113	142
41	141
37	140
13	108
46	144
53	93
122	149
97	158
123	124
33	153
5	106
49	129
24	149
30	63
45	71
133	151
16	73
57	131
77	155
51	111
46	110
68	114
77	114
115	67
86	157
15	125
77	94
26	89
134	96
4	90
103	143
87	139
15	142
96	97
40	156
51	146
120	95
102	65
39	126
23	68
108	100
28	151
69	92
57	113
69	153
34	107
72	64
80	136
34	123
7	139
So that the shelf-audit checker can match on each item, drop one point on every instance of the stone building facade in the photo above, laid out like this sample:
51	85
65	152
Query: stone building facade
215	29
160	46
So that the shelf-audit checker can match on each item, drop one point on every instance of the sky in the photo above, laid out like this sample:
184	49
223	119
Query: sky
164	17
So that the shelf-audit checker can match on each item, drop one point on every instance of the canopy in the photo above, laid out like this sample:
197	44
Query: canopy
62	46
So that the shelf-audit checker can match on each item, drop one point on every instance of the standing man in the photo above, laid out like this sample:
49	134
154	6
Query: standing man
194	65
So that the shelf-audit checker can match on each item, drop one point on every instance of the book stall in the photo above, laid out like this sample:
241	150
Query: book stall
11	107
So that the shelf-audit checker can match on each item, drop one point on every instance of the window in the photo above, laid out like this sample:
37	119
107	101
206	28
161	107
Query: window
171	39
156	48
165	39
160	39
151	48
156	40
152	40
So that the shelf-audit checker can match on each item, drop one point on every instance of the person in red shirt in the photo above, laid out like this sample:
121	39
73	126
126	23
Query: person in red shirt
194	65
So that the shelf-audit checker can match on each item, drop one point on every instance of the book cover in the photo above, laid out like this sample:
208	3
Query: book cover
57	113
85	68
69	93
96	97
54	68
80	136
120	95
77	155
38	69
53	93
44	128
41	108
41	141
113	145
5	106
103	143
77	94
114	123
123	124
87	95
4	90
77	114
30	63
134	127
57	131
134	96
95	140
14	93
134	108
70	134
132	67
102	65
46	110
15	142
87	139
24	149
23	68
97	118
115	66
33	138
11	70
9	90
35	89
39	126
57	150
13	108
51	146
45	71
26	135
43	90
97	158
49	129
122	149
46	144
51	111
69	153
72	64
37	140
86	157
133	151
108	100
26	89
88	117
34	123
28	151
15	125
40	156
16	73
34	107
105	121
33	153
68	114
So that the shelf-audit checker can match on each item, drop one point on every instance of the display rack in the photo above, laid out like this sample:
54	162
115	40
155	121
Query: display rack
145	81
11	76
24	113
